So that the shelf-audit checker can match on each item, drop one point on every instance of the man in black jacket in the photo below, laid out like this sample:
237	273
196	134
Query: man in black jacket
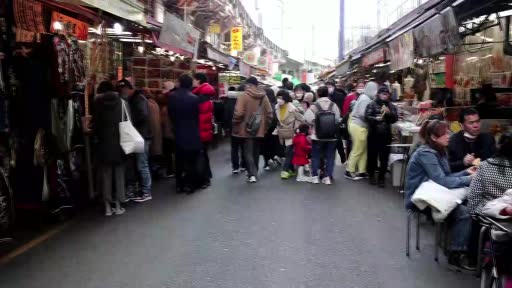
380	114
139	114
338	97
469	146
183	107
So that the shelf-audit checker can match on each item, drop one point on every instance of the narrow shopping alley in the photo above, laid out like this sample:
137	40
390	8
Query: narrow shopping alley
269	234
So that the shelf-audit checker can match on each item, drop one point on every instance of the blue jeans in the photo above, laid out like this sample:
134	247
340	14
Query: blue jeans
142	167
461	225
325	149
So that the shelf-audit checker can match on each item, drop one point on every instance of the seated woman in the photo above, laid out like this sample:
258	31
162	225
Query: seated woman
430	162
493	178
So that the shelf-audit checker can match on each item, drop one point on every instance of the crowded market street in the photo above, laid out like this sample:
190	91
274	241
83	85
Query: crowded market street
270	234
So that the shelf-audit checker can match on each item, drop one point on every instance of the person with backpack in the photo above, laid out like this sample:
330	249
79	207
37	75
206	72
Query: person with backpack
288	119
324	117
380	114
251	119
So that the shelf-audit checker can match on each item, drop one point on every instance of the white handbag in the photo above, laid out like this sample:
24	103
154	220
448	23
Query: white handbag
130	139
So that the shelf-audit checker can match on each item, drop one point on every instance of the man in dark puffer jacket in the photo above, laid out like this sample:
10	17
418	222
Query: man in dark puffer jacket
380	114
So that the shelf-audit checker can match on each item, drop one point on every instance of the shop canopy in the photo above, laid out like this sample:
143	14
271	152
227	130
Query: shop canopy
132	10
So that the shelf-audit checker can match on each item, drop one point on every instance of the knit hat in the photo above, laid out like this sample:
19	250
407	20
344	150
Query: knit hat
124	83
252	80
383	89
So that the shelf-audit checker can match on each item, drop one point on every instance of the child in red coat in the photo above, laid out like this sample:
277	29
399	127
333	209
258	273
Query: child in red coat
301	151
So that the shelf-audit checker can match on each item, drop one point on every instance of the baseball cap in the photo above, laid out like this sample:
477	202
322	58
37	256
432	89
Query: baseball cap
124	83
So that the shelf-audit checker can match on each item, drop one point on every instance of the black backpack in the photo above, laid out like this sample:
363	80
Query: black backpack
325	122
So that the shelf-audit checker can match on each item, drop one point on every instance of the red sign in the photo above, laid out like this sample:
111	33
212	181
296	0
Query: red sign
374	57
70	26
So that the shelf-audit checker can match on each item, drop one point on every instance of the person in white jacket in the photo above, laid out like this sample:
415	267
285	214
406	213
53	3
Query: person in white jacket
487	195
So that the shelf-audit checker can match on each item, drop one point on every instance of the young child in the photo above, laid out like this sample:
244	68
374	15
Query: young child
302	148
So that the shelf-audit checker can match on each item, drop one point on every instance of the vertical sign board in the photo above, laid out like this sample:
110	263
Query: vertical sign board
237	39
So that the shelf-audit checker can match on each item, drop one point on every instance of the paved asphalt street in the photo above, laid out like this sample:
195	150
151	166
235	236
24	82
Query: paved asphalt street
272	234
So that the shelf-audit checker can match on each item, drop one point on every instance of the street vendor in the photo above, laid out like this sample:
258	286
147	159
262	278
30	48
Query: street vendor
469	146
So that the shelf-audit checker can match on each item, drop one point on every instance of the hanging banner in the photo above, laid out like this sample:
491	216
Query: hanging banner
262	62
237	39
214	28
175	32
70	26
374	57
439	35
401	51
250	57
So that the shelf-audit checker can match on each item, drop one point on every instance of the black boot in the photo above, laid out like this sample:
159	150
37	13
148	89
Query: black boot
381	182
372	179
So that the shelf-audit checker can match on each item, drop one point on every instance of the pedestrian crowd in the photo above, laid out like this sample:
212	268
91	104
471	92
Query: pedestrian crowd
299	131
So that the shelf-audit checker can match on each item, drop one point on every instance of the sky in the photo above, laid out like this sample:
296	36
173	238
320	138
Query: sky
311	27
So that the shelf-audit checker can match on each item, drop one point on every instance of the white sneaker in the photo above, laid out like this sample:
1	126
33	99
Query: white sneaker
267	168
252	179
315	180
236	171
326	181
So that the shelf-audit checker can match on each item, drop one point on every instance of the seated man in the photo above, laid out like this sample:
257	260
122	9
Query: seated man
469	146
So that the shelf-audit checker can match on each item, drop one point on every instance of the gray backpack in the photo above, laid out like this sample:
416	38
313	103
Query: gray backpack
253	124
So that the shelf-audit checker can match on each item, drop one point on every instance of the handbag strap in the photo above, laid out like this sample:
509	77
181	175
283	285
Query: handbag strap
124	112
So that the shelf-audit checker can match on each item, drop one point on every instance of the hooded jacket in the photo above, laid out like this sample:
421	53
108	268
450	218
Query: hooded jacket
428	164
105	125
359	111
205	92
247	104
183	108
140	114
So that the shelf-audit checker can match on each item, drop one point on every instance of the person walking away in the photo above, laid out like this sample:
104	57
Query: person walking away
271	141
288	120
470	146
237	143
206	93
139	109
430	162
380	114
324	118
183	110
155	148
338	97
167	130
251	118
301	150
358	129
307	101
110	157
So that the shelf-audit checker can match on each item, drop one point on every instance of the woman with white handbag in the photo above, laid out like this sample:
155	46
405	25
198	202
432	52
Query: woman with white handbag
108	114
430	162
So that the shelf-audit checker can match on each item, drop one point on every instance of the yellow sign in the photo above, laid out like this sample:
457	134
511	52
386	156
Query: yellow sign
214	28
237	39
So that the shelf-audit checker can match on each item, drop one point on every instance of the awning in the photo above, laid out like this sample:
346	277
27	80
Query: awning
342	68
179	35
170	47
128	9
218	56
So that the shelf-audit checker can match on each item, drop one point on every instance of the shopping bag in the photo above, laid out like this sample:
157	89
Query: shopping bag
441	199
130	139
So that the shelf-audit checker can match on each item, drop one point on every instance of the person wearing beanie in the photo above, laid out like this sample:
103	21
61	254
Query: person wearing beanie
380	114
252	106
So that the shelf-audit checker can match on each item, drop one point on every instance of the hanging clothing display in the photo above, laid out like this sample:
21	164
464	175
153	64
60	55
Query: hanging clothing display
62	48
77	62
63	117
